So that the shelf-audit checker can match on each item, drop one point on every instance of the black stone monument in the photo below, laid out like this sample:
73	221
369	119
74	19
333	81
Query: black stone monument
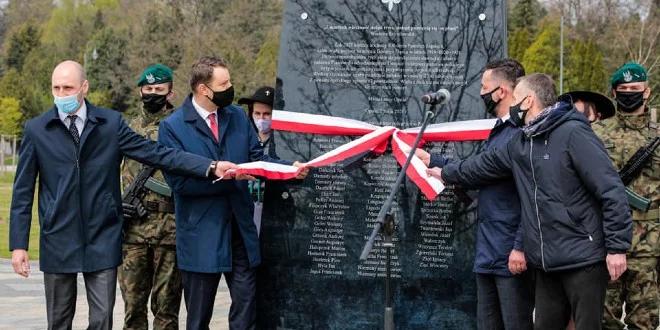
371	60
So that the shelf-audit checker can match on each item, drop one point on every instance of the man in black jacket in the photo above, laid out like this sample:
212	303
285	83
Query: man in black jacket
504	288
576	221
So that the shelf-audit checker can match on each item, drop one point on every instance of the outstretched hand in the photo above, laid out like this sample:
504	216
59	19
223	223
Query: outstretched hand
244	177
423	155
221	167
304	170
435	172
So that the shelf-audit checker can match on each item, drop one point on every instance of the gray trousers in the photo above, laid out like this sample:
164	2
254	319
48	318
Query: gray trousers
61	293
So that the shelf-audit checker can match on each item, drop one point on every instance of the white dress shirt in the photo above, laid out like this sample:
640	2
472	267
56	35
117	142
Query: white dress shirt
205	113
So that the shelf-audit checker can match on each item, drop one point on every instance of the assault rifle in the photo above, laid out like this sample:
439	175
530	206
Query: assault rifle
633	168
133	195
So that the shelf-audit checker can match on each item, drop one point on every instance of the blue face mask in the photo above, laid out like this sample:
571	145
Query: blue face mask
67	104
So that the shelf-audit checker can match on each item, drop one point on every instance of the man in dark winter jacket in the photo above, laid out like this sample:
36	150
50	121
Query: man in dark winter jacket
576	220
504	288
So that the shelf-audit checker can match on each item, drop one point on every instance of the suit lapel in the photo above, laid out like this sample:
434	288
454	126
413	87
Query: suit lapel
225	118
193	118
60	133
203	128
92	121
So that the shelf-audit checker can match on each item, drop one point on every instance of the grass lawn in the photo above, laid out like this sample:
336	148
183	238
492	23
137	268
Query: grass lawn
6	181
8	160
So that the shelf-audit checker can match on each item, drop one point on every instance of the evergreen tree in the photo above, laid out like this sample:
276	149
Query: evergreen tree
10	116
69	28
160	40
525	14
518	42
584	68
32	101
100	98
19	44
523	22
107	66
543	54
36	74
17	12
266	61
11	84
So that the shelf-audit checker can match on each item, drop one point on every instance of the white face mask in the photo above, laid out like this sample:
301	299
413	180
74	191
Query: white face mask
263	125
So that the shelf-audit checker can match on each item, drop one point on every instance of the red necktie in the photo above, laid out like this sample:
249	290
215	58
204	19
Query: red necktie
214	126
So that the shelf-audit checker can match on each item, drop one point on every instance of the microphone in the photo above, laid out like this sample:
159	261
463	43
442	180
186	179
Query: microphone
440	97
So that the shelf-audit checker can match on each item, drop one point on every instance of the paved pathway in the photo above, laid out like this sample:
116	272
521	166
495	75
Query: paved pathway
23	306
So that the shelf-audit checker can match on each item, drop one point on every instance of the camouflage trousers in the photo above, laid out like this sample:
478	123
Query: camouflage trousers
150	269
638	288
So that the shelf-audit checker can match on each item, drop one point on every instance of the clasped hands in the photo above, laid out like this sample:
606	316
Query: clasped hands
223	171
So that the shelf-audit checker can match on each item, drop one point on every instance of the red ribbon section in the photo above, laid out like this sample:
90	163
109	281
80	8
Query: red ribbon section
372	138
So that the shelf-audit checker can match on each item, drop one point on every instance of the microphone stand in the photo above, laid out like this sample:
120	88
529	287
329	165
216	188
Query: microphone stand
386	227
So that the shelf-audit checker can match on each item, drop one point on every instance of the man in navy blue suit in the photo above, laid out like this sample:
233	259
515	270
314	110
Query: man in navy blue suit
215	232
75	150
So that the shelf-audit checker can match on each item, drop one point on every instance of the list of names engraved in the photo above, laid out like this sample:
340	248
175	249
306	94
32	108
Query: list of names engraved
384	172
327	247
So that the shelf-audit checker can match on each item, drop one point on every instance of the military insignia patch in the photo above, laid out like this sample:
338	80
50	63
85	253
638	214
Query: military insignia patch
150	78
627	76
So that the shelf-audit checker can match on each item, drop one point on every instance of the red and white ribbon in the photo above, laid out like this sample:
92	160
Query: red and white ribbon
372	138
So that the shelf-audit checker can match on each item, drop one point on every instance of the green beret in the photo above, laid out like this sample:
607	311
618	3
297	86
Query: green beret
155	74
627	73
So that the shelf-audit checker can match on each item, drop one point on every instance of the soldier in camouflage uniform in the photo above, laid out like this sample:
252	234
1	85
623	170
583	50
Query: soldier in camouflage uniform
634	126
149	250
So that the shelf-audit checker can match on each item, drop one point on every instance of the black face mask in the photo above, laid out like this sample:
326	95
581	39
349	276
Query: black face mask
224	98
517	114
489	103
154	102
629	101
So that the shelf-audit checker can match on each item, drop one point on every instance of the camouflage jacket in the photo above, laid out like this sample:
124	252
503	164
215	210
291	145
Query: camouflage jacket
158	227
623	136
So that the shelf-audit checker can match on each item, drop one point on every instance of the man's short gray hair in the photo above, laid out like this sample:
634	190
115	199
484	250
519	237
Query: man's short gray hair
543	86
